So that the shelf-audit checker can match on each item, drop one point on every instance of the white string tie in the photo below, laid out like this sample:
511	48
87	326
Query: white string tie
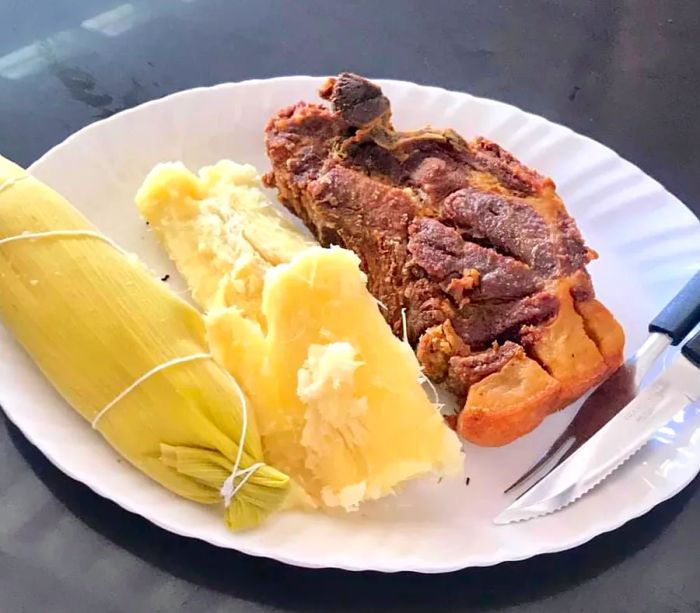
61	234
144	377
7	183
229	488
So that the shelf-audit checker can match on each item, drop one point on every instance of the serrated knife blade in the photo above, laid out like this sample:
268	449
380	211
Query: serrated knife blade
599	408
612	445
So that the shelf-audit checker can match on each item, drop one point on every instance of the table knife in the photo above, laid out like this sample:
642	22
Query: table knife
676	388
669	327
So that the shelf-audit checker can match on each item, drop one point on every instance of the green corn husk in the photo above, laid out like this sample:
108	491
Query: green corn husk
94	321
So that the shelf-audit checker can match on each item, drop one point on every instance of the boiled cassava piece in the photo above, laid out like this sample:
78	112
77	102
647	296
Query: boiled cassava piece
339	400
220	229
342	409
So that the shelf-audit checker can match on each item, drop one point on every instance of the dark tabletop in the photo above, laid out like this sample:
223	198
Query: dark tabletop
626	73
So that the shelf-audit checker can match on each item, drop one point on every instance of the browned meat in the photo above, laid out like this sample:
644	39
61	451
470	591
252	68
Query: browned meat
513	226
476	249
465	371
445	256
346	208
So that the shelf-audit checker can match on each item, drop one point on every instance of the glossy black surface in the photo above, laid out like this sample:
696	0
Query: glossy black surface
625	73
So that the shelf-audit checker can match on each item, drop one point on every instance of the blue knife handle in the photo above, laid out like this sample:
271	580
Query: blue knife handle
680	315
691	350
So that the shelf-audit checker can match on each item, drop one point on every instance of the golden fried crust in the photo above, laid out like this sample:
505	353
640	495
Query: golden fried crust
435	348
508	403
581	346
566	351
604	329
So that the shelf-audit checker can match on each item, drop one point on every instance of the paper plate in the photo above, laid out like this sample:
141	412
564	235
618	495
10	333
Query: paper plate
649	245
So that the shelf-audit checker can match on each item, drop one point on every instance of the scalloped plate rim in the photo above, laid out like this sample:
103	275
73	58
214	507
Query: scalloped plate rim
595	529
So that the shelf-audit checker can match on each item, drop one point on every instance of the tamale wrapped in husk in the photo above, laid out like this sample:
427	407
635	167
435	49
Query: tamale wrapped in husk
96	322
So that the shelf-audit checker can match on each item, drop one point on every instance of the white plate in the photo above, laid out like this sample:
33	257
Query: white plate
649	245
